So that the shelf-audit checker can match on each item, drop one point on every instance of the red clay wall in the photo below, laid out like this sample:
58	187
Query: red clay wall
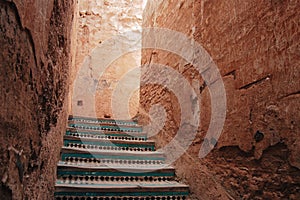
255	45
35	62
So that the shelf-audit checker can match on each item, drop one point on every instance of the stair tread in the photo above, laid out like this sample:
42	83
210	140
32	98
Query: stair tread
118	185
114	165
117	168
113	158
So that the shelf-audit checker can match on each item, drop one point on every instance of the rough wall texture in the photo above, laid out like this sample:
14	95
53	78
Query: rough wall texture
35	61
255	45
99	21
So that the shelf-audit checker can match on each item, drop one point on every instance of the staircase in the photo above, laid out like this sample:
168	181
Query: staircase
106	159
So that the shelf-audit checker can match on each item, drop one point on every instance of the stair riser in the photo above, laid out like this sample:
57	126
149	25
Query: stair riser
107	136
74	179
108	121
106	159
108	145
121	198
105	127
111	157
110	148
79	175
115	141
111	161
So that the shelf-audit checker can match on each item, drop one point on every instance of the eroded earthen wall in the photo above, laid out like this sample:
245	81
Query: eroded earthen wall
100	21
35	63
255	45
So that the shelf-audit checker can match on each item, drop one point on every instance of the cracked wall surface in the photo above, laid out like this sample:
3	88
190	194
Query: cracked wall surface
255	45
99	21
35	38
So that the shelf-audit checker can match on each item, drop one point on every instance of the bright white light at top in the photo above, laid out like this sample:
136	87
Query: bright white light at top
144	3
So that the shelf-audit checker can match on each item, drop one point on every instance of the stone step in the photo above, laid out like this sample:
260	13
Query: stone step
123	198
93	179
168	189
175	197
111	135
69	173
106	159
113	164
103	120
104	124
106	127
105	144
107	156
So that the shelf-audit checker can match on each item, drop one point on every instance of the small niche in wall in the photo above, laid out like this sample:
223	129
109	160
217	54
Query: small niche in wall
80	103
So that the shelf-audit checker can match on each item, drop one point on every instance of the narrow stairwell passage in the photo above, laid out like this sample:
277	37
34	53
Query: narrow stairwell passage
106	159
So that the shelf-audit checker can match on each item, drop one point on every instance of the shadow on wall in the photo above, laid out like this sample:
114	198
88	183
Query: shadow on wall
35	63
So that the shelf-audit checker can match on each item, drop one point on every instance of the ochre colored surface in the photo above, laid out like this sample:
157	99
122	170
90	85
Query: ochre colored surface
255	45
35	59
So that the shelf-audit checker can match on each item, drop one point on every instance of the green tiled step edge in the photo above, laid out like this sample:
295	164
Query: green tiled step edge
123	190
111	134
104	120
86	190
118	194
116	166
103	127
65	155
109	143
69	152
85	173
103	124
67	170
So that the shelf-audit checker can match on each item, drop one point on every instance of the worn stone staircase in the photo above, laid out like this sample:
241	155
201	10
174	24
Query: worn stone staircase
106	159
